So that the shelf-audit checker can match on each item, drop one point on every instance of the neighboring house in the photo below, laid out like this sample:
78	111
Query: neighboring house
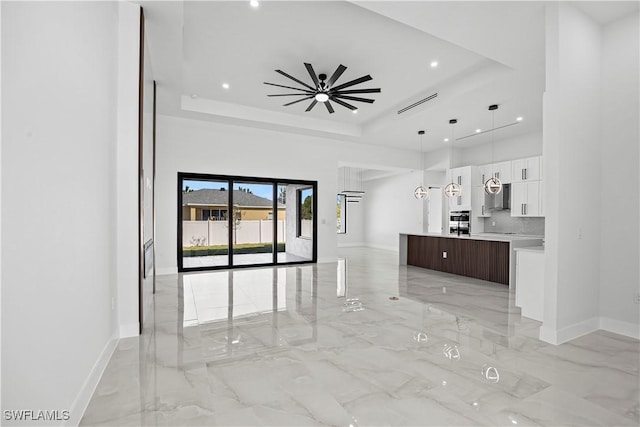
211	204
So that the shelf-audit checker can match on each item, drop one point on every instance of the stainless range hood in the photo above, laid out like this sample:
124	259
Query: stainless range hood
500	201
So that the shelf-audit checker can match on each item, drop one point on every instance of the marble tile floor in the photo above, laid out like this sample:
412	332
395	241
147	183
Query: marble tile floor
277	346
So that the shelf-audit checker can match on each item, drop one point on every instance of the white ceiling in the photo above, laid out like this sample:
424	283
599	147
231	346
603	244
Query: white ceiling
488	53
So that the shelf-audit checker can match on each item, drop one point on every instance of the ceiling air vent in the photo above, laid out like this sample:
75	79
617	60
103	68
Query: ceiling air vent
415	104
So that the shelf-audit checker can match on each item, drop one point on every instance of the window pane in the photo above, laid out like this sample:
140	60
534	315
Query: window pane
252	223
205	235
341	213
305	228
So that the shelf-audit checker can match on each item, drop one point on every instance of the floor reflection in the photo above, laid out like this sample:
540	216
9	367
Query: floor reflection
275	346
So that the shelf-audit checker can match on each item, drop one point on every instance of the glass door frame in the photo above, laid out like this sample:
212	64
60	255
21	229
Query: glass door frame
231	180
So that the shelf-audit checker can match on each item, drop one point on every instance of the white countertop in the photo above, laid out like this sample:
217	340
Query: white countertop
482	236
538	249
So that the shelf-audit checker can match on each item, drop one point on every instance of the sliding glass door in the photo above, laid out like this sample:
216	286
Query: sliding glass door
229	221
252	223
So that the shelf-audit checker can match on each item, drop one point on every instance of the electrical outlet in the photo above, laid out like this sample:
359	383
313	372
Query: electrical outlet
444	254
579	233
636	298
493	223
113	303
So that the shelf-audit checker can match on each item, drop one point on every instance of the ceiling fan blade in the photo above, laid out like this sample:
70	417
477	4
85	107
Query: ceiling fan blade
329	107
354	82
313	75
292	94
294	79
313	104
336	75
344	104
377	90
354	98
298	100
288	87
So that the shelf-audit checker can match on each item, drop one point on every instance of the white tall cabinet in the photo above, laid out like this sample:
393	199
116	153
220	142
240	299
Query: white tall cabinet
462	177
526	187
470	198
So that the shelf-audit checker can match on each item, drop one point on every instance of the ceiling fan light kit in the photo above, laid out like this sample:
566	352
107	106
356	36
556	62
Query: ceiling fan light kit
325	90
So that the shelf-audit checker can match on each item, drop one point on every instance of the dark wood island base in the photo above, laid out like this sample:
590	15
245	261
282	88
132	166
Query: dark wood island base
481	257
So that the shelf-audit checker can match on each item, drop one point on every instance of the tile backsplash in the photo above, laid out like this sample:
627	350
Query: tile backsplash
505	223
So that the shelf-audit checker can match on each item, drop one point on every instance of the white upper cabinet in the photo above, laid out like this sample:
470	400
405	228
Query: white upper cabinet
526	199
526	169
462	177
501	170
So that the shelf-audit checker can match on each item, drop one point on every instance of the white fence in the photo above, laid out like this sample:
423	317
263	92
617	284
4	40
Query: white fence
208	233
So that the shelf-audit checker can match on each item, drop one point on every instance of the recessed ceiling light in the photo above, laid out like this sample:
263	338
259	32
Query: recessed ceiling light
478	130
446	140
354	111
519	118
194	96
225	85
434	64
254	3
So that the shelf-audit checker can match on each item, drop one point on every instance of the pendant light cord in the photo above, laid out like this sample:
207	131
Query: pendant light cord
421	163
493	126
452	151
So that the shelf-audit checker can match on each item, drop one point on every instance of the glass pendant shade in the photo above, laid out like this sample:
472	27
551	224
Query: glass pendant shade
420	192
493	186
452	190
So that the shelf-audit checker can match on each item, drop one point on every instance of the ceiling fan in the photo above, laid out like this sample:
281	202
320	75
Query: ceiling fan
324	91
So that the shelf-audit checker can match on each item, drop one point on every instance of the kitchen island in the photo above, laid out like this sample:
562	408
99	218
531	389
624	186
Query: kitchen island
485	256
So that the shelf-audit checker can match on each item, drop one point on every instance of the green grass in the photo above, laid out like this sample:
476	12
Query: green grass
242	248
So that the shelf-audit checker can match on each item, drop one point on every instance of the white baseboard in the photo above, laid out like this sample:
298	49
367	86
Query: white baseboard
351	245
383	247
130	330
560	336
166	270
79	405
628	329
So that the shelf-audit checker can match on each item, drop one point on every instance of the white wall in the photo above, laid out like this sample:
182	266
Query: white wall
127	225
527	145
619	281
147	163
59	86
390	208
205	147
590	272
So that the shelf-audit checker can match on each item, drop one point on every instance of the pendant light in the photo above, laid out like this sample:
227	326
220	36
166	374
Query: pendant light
493	185
420	192
453	188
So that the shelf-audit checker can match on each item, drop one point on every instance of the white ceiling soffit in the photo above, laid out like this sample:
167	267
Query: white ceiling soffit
483	52
237	111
